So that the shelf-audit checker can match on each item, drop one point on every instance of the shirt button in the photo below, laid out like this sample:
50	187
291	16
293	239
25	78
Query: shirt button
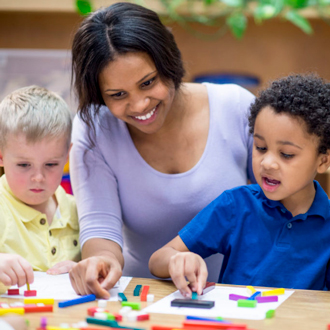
42	221
289	225
53	250
75	243
50	233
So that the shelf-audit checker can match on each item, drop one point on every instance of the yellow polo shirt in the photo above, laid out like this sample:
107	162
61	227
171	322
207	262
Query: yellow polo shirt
25	231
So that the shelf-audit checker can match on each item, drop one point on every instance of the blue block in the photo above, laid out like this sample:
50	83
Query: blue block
81	300
122	297
254	296
194	295
137	290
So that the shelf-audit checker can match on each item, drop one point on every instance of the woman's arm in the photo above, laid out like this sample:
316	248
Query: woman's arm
100	268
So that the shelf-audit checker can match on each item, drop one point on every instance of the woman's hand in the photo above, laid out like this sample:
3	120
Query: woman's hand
95	275
189	266
61	267
15	270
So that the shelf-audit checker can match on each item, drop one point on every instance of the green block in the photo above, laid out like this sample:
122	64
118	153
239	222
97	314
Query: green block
194	296
134	305
93	320
110	317
219	318
246	303
270	314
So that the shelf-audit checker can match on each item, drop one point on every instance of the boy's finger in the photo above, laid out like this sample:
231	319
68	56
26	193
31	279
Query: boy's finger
25	272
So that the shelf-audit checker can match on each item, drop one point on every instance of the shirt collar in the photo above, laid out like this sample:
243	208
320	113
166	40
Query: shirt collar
320	206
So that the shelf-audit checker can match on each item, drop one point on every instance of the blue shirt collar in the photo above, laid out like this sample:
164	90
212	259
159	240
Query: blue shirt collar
320	206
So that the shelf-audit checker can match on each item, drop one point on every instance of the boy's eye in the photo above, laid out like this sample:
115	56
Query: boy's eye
287	156
23	165
51	164
261	149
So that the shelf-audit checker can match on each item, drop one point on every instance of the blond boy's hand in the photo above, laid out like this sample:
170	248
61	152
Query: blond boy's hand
61	267
17	322
15	270
189	266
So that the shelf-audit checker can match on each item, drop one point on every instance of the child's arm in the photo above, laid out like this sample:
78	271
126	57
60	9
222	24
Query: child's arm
13	323
61	267
15	270
174	260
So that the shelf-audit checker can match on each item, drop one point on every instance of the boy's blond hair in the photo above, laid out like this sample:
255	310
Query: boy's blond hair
37	113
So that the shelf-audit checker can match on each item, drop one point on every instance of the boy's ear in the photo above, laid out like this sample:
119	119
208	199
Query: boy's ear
1	159
67	157
324	162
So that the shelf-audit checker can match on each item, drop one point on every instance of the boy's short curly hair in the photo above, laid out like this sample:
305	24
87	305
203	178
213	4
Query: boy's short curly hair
306	97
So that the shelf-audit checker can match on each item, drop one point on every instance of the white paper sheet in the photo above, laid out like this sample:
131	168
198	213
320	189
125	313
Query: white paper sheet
223	306
59	287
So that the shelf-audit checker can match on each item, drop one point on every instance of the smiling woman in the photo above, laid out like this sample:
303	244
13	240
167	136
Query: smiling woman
149	152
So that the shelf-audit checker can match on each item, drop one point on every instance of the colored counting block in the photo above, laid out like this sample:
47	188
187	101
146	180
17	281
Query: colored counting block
194	296
30	293
125	310
101	316
18	310
267	299
137	290
46	301
92	310
133	305
251	290
254	296
190	324
236	297
150	297
144	292
121	297
102	303
38	309
270	314
246	303
13	292
142	317
81	300
118	317
275	292
190	303
92	320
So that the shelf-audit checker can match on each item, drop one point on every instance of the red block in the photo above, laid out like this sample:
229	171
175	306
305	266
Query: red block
142	317
13	292
212	325
38	309
144	292
30	293
118	317
92	310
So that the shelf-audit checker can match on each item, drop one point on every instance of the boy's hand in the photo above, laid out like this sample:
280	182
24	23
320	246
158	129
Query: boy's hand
190	266
17	322
96	275
61	267
15	270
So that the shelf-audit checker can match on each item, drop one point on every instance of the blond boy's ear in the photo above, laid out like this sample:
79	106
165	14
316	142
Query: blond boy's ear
324	162
1	159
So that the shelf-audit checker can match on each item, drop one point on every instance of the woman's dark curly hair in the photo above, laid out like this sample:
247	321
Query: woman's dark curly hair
119	29
306	97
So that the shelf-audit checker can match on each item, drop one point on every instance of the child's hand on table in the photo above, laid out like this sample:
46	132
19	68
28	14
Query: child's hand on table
15	270
61	267
16	322
189	266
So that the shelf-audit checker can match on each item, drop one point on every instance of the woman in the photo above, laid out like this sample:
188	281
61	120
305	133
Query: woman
149	152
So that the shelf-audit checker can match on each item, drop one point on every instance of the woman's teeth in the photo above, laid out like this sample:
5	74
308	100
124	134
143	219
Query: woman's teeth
147	116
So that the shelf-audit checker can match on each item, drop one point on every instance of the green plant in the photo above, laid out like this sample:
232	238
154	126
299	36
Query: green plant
234	14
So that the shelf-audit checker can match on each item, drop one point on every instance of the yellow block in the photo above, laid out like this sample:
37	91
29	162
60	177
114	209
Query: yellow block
46	301
275	292
18	310
251	290
48	327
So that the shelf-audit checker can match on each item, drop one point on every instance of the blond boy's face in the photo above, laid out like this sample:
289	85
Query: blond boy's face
34	170
285	158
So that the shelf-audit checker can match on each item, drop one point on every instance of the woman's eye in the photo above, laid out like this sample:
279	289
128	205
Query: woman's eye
148	82
117	95
287	156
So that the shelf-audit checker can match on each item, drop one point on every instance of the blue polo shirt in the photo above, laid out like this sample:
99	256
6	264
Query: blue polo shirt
262	243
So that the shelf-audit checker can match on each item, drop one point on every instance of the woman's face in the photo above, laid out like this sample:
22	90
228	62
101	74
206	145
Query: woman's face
133	91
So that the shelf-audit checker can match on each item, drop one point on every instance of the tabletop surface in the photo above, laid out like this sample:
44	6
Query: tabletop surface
304	309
